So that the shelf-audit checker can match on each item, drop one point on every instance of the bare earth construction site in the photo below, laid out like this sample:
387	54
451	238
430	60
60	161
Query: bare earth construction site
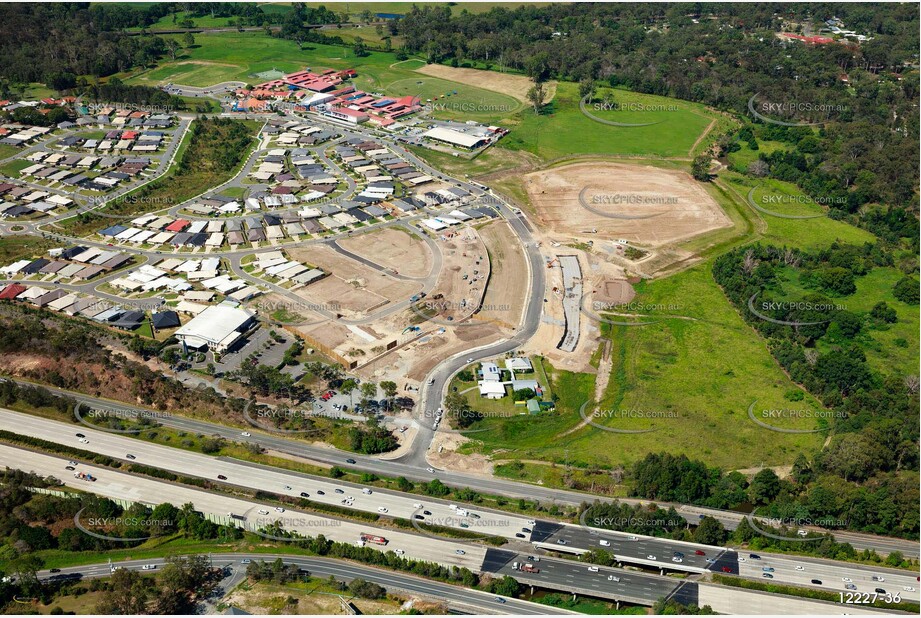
650	208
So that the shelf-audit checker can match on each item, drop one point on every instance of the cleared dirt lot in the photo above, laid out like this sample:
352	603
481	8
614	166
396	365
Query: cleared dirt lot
516	86
392	248
642	204
355	287
508	282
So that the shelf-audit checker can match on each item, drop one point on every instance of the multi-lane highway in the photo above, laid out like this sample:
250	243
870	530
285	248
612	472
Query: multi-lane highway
664	555
284	443
466	599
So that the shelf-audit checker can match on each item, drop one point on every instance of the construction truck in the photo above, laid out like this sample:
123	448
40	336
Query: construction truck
85	476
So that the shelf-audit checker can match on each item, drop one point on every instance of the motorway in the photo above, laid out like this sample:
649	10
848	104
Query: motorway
122	486
649	552
473	601
478	482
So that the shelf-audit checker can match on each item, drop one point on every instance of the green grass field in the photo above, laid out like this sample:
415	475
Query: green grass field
698	375
806	234
563	130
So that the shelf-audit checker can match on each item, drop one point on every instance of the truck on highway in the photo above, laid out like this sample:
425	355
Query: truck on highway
85	476
372	538
527	567
235	516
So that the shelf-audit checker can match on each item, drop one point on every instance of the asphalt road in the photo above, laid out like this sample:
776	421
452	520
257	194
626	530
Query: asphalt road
648	552
486	484
474	601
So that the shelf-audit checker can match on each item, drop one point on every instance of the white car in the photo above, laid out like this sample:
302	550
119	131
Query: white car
531	522
263	512
651	557
287	488
908	589
432	470
847	580
148	567
399	552
279	509
799	567
593	569
677	559
741	559
631	538
417	505
382	509
801	532
246	434
613	578
604	543
459	552
73	463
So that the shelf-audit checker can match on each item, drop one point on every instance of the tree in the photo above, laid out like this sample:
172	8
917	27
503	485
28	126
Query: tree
359	48
128	594
390	388
884	313
710	532
758	168
700	168
188	40
368	390
764	487
172	46
587	89
536	96
505	586
906	290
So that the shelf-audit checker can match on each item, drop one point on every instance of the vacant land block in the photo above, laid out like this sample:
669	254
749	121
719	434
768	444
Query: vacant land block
394	248
642	204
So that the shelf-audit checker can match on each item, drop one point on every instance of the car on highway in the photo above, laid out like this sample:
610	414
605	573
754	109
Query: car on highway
908	589
399	552
678	554
426	512
771	570
130	456
221	477
710	561
84	441
562	542
469	360
799	567
339	491
850	586
499	600
304	494
613	578
431	470
604	543
245	561
350	461
73	463
279	509
287	488
533	558
263	512
878	578
80	435
632	538
767	575
418	516
592	569
148	567
246	434
651	557
459	552
697	552
531	522
879	590
69	468
847	579
817	582
518	535
320	492
677	559
754	556
54	570
382	509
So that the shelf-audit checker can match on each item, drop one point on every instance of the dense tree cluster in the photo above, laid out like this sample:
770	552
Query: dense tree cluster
371	439
821	490
54	43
